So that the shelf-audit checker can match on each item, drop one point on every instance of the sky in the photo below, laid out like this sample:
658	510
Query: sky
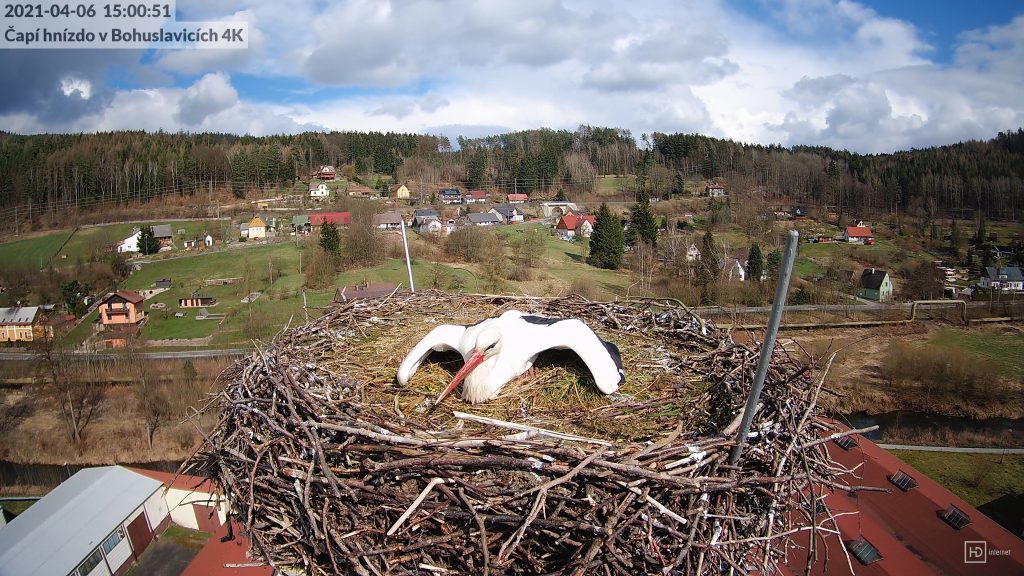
871	76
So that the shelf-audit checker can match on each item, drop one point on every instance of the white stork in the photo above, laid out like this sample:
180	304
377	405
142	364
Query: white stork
497	350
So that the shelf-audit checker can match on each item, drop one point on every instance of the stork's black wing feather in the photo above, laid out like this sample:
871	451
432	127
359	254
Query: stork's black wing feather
542	320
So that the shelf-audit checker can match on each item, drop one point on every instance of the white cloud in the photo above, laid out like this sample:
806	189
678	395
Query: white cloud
831	72
213	93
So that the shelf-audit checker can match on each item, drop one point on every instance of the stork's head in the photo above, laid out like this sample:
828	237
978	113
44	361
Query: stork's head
488	345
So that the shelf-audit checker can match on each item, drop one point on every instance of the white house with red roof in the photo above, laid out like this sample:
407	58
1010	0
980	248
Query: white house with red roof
858	235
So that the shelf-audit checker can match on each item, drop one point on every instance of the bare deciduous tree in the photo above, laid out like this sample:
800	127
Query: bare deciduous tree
68	385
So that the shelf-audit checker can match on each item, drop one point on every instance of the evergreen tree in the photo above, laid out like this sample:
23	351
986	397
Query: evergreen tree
330	241
980	236
642	226
606	241
148	244
773	263
560	197
755	263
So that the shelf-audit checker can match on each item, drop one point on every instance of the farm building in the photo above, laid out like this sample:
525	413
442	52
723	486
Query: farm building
518	198
875	285
858	235
96	523
194	301
162	232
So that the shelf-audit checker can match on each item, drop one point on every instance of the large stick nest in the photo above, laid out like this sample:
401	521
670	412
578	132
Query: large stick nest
331	467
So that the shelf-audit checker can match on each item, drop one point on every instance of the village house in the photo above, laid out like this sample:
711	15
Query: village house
121	308
318	219
518	198
131	243
483	219
300	223
450	196
388	221
399	191
858	235
875	285
318	191
326	173
96	523
422	214
257	228
509	214
23	324
714	190
356	190
476	197
572	225
692	253
734	270
429	226
1008	279
162	232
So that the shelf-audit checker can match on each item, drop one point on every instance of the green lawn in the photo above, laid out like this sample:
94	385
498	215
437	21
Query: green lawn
565	261
1004	349
613	185
35	252
977	478
17	506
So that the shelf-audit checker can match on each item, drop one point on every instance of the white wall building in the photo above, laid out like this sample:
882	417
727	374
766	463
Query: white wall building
94	524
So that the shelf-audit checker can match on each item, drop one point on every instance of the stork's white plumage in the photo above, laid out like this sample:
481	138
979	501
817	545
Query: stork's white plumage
497	350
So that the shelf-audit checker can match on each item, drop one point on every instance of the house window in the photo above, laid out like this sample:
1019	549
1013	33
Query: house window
113	540
903	480
863	550
89	563
846	443
955	517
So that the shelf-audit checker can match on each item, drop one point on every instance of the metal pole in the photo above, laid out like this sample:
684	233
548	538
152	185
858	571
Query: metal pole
408	264
781	288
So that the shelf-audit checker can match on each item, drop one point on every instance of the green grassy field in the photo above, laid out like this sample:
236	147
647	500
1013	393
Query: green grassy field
35	252
565	261
977	478
1004	349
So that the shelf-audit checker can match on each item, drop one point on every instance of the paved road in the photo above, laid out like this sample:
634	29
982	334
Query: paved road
150	355
953	449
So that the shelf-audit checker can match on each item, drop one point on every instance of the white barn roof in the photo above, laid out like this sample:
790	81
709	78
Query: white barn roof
66	525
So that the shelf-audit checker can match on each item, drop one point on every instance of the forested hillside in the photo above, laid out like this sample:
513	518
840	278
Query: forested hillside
949	180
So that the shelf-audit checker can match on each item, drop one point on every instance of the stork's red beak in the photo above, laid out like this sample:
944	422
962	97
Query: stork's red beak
474	360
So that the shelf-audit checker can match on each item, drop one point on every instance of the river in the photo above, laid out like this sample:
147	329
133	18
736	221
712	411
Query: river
907	422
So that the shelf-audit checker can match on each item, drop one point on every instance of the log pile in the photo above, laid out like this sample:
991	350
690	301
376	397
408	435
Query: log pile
331	468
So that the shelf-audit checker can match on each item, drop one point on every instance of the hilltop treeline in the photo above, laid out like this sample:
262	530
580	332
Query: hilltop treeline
949	180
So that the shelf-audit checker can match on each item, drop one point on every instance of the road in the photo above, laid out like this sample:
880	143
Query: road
952	449
873	306
226	353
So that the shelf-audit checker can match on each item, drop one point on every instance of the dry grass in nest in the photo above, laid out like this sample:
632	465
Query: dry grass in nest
331	467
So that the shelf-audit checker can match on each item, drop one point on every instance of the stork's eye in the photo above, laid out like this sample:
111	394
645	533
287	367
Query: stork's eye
491	346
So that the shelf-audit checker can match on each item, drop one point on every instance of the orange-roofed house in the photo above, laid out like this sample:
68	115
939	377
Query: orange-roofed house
518	198
858	235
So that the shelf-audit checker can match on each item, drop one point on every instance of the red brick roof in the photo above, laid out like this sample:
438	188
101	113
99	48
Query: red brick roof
906	527
336	218
858	232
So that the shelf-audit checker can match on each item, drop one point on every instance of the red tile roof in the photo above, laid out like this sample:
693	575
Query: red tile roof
517	197
568	222
336	218
906	527
477	194
858	232
178	481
